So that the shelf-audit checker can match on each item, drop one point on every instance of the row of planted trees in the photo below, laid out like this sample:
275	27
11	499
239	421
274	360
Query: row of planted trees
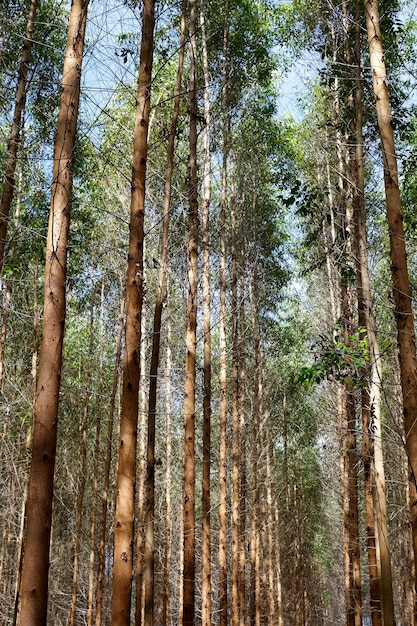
197	473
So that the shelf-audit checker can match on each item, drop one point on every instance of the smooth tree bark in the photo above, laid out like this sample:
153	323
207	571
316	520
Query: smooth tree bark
161	295
381	588
206	502
15	132
191	340
399	268
34	593
126	472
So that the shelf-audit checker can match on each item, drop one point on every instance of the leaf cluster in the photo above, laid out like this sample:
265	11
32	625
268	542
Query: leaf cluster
337	359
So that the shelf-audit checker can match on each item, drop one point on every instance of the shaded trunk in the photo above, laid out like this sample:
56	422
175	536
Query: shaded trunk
242	428
349	450
141	474
190	360
235	615
223	591
269	521
168	488
126	473
101	561
205	502
255	594
39	505
149	558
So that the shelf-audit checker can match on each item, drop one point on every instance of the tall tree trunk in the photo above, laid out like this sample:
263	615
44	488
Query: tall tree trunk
408	569
190	361
242	425
149	563
107	466
269	522
235	616
382	594
14	137
141	472
168	487
348	439
205	504
126	473
255	596
39	505
223	592
354	609
399	268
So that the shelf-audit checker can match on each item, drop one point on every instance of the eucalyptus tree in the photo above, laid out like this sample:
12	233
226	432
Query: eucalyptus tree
188	611
223	557
207	383
399	267
34	584
161	296
126	473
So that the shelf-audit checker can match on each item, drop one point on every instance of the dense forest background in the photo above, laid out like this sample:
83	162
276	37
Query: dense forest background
231	434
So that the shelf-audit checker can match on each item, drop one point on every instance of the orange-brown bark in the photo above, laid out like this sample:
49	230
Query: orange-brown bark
399	268
380	588
40	491
107	466
149	559
126	474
